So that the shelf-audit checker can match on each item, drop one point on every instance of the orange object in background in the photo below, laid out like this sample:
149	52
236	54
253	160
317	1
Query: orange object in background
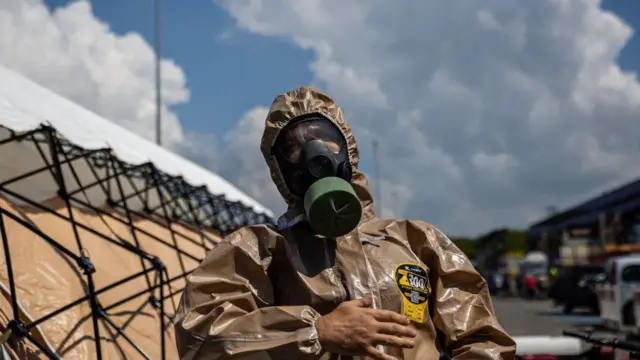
622	248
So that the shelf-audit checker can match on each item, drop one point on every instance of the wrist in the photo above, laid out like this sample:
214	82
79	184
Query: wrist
323	331
319	325
308	340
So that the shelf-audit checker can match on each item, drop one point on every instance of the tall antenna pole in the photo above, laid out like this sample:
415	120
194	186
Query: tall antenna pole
157	49
376	175
396	209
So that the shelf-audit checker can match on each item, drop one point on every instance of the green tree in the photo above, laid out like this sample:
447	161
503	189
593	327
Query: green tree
509	241
466	245
516	241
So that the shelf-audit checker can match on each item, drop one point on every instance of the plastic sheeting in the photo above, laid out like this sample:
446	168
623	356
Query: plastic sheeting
46	280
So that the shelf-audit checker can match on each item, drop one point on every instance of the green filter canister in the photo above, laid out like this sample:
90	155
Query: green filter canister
332	207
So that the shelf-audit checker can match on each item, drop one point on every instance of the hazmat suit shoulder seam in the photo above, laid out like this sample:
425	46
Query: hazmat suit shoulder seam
256	232
432	234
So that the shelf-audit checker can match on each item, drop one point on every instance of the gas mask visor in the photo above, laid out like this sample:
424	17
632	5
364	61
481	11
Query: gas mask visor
313	157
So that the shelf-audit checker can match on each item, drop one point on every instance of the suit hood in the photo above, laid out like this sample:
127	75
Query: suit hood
304	101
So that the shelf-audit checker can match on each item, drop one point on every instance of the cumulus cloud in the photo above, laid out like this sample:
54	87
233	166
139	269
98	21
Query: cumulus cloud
75	54
487	111
236	155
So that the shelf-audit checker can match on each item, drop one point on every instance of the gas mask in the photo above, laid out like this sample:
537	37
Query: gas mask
313	157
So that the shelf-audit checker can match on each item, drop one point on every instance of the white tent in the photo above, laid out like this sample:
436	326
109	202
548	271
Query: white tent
25	106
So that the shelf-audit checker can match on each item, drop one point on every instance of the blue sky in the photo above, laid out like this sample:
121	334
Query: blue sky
228	75
630	12
505	65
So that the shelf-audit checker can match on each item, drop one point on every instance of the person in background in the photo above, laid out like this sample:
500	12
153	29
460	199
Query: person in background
553	273
531	286
331	280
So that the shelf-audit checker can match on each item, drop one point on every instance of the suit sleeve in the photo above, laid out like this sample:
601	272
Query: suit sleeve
463	312
226	310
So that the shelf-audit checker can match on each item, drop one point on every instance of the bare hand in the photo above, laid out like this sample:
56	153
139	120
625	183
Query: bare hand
355	329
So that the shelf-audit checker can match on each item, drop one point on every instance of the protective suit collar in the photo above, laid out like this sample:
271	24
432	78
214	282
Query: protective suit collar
290	218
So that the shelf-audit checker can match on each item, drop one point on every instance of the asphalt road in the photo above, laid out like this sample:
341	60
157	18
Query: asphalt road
521	317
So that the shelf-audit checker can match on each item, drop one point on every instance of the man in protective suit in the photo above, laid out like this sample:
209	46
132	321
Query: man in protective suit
332	281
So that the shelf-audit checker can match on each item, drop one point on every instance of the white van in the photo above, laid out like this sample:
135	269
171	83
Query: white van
616	293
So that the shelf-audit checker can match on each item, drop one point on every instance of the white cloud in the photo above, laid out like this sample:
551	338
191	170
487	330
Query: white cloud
76	55
237	157
244	159
243	163
488	111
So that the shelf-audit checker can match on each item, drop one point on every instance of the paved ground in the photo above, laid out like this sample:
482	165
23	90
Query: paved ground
522	317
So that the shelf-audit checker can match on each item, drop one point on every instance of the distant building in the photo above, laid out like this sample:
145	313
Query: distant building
607	224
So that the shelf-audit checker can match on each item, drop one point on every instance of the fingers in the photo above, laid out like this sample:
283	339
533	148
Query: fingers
376	354
390	316
397	330
394	341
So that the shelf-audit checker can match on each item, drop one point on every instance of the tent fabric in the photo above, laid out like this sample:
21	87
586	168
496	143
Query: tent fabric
25	106
51	183
46	280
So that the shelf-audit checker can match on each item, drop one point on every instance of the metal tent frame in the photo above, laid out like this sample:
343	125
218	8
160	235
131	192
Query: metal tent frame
179	202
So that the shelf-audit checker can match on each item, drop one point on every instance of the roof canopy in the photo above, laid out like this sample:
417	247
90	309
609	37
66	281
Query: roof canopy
623	199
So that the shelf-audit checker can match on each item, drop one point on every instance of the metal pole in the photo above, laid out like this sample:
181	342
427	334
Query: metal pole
396	210
376	175
602	228
157	49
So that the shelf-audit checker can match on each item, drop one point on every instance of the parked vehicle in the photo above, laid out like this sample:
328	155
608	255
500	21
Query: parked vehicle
616	293
575	287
